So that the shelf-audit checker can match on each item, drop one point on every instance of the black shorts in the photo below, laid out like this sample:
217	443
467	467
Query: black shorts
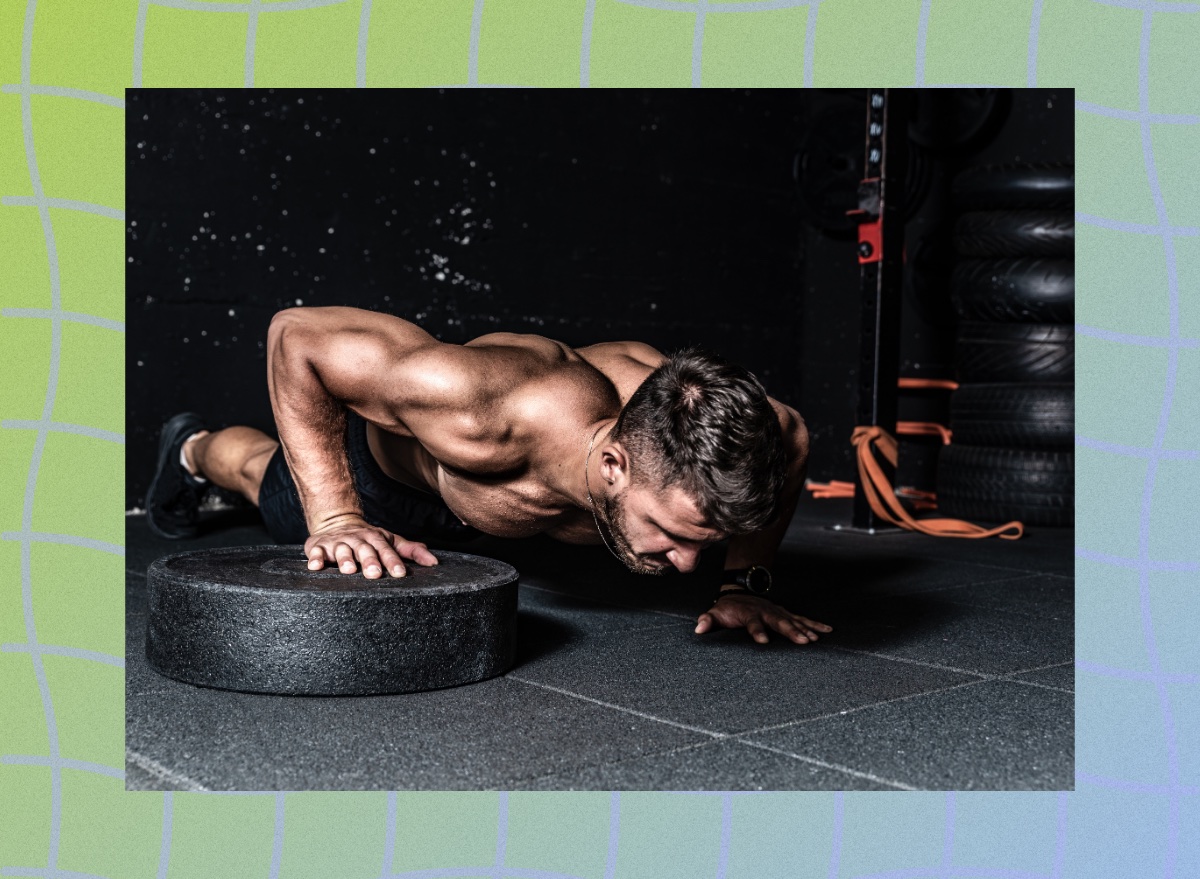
401	509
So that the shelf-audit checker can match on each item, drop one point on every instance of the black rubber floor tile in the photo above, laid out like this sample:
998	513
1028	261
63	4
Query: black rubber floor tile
723	681
602	579
959	636
480	736
1060	676
554	617
484	736
547	621
809	576
592	628
720	766
993	735
1049	597
1041	550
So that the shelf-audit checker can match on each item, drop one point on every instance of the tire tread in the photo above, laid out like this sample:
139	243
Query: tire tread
1015	233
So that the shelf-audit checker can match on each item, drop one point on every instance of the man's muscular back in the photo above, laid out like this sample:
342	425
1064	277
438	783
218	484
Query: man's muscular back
488	425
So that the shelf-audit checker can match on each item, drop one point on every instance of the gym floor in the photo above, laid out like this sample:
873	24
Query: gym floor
950	668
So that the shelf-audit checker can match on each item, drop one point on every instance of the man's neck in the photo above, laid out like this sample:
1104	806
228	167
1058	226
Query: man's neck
587	476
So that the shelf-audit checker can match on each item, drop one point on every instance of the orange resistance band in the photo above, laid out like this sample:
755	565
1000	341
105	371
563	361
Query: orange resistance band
916	384
835	488
884	502
923	428
922	500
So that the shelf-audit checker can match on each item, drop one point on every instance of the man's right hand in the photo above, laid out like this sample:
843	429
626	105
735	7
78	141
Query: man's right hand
351	542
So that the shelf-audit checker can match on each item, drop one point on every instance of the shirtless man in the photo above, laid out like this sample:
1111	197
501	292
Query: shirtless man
387	434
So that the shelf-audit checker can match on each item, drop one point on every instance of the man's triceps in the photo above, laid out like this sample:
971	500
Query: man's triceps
311	424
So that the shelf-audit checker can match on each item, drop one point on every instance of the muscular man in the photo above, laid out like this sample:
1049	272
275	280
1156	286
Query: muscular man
386	434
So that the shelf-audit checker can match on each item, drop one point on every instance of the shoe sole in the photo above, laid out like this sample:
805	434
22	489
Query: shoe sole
165	440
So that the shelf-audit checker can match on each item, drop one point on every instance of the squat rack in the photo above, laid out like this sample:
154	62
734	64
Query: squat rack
880	216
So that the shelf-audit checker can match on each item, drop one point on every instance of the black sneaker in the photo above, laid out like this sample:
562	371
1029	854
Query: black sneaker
173	501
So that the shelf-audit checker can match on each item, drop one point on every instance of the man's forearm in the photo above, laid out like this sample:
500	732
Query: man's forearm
311	425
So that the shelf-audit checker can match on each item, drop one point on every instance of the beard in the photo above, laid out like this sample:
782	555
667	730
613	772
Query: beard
611	518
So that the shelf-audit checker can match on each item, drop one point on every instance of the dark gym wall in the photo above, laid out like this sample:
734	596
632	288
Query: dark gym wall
663	216
670	217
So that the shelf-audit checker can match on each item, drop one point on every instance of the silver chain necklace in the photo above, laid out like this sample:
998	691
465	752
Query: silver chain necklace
586	464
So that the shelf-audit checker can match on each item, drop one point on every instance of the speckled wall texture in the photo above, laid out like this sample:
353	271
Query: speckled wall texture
664	217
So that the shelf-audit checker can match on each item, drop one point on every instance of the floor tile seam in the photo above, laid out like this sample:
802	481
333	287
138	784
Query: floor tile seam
1003	572
1019	570
842	713
156	769
1038	685
1070	662
988	607
1025	671
1017	613
904	659
980	674
1013	675
838	767
621	708
630	759
1004	579
1024	575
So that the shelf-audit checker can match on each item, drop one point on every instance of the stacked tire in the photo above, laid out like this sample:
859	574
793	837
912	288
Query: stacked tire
1013	287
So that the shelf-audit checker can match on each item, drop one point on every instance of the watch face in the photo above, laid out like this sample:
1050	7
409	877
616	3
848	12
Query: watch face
758	580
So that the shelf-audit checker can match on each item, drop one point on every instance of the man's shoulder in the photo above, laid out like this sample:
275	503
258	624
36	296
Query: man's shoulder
639	353
528	342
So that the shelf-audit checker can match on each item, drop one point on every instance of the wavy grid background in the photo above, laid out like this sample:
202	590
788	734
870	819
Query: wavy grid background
63	67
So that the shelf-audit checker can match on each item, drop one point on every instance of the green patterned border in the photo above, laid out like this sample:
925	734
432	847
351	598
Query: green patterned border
64	65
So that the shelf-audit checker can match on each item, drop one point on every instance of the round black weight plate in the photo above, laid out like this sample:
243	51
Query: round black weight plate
996	352
1030	290
828	167
998	485
989	187
1014	415
255	619
1015	233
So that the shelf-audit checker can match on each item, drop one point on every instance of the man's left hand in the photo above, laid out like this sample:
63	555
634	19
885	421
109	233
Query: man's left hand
743	610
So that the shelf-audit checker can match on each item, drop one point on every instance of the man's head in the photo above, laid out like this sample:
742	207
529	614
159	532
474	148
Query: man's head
697	454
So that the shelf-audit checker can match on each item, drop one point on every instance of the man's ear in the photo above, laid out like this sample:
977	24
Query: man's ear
614	465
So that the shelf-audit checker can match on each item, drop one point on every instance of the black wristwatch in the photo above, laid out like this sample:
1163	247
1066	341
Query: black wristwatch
756	580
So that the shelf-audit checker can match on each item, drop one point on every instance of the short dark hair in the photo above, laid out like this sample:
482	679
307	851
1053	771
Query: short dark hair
705	424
